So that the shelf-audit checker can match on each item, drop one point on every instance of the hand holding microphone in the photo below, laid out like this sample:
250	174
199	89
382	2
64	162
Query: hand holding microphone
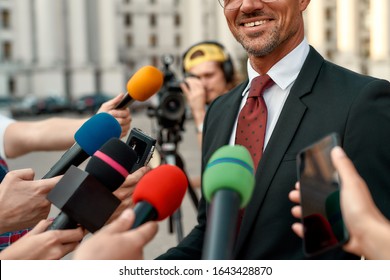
85	197
158	194
228	184
89	138
143	84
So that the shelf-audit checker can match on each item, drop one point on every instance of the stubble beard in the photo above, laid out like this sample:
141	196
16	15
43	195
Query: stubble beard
266	46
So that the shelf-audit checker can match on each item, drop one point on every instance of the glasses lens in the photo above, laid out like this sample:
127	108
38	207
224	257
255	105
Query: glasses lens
230	4
235	4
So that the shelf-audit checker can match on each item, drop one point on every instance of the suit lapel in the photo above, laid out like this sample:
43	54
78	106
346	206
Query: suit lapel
222	117
282	135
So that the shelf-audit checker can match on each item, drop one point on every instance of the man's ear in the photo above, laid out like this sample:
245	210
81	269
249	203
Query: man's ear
303	4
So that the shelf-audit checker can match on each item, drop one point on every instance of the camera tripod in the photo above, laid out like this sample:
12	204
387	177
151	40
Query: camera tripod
167	143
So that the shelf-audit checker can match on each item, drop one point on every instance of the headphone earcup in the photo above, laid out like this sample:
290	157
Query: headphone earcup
228	69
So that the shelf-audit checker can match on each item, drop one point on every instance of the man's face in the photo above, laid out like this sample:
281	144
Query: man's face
262	28
212	78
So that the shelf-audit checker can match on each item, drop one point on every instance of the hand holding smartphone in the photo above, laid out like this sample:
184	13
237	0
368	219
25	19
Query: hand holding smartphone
322	219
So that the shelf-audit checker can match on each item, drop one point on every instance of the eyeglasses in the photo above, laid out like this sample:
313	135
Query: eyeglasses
235	4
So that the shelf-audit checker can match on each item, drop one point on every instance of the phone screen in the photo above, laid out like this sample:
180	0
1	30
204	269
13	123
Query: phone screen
320	198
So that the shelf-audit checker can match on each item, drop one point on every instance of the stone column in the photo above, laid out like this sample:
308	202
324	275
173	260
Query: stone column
380	39
315	24
112	79
24	45
48	73
348	30
81	75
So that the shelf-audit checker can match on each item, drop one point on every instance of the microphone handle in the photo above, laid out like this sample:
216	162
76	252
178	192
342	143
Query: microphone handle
144	212
222	226
62	221
126	101
74	156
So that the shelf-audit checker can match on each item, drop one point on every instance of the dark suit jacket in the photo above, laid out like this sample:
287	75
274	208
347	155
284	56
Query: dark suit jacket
325	98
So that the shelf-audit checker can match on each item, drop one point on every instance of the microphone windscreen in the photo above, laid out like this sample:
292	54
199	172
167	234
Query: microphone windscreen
229	168
164	188
144	83
111	164
96	131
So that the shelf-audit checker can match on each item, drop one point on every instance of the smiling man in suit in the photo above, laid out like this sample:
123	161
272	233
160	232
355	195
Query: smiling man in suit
308	99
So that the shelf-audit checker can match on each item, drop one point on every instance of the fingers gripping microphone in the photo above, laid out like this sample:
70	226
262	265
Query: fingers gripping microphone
85	197
143	84
228	183
158	194
89	138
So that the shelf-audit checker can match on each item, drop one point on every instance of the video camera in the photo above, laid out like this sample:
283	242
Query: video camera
171	108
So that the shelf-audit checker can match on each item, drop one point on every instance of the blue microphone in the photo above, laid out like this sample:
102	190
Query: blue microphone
89	138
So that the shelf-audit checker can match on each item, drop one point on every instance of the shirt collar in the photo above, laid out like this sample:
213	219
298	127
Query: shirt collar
286	70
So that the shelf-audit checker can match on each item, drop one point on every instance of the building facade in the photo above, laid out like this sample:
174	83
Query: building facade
59	47
75	47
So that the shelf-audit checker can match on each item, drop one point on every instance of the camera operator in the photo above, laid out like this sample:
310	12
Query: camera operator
209	73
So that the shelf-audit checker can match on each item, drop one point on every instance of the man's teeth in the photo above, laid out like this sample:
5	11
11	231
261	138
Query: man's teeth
256	23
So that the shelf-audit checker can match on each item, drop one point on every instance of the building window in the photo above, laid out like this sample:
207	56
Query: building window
11	85
128	20
129	41
152	2
328	14
5	19
155	60
7	50
177	40
127	1
329	35
152	20
365	48
130	64
153	40
177	20
329	54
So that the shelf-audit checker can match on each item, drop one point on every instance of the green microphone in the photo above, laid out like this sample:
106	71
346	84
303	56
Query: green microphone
228	183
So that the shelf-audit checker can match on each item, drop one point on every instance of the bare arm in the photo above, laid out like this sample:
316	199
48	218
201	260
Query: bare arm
54	134
369	230
47	135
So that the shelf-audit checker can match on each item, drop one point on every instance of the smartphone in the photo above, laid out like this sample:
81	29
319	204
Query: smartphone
322	219
143	145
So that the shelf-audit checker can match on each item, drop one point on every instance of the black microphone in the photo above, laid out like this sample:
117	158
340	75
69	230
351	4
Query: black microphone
228	183
142	85
85	197
89	138
158	194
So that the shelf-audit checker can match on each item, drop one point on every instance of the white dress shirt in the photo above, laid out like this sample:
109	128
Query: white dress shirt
4	123
284	74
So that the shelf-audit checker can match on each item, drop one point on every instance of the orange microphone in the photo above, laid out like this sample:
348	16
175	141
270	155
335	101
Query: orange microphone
143	84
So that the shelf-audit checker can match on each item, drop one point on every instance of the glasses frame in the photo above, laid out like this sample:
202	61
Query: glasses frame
221	3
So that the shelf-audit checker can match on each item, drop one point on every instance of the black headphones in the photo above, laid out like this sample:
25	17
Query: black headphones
227	65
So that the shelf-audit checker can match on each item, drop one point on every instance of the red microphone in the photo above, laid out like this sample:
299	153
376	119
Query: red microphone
158	194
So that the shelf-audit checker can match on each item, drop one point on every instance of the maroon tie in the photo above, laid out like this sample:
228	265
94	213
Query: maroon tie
252	120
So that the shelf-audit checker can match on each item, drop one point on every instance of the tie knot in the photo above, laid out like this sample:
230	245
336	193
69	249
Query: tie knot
259	84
